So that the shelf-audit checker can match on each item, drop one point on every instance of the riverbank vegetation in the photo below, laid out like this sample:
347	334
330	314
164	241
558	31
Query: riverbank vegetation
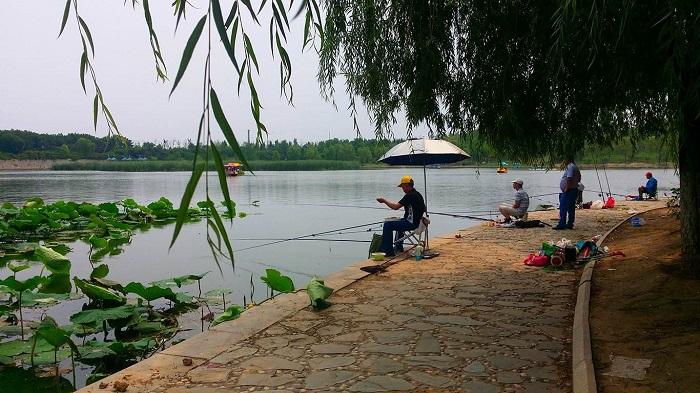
87	152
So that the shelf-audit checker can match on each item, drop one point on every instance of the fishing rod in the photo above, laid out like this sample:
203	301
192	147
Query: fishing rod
304	239
461	216
309	235
600	193
606	179
599	182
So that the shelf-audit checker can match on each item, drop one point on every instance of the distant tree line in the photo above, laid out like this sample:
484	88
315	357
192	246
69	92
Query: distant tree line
30	145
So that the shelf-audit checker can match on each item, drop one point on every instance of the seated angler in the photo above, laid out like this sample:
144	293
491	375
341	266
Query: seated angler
649	188
414	208
520	204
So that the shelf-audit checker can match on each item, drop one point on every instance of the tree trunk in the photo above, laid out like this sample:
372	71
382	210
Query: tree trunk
689	168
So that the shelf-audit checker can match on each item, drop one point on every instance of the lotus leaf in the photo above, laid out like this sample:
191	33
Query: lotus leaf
93	350
98	293
17	267
218	292
46	357
98	242
6	361
179	281
149	293
230	314
109	207
30	299
184	298
277	282
87	209
33	203
100	271
48	330
18	347
26	381
54	262
318	293
56	283
20	286
96	316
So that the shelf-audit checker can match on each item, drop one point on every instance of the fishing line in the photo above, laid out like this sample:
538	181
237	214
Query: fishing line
599	182
309	235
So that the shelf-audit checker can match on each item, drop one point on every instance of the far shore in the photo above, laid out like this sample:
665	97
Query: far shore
44	165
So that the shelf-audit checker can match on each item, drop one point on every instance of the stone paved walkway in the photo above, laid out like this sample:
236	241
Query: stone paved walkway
473	319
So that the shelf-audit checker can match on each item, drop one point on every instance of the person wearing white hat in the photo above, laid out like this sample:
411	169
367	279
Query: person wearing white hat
519	206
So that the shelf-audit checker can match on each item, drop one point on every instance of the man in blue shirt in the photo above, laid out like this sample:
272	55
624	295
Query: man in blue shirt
649	188
569	192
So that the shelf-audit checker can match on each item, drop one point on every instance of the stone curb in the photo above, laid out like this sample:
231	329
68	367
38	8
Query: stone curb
583	370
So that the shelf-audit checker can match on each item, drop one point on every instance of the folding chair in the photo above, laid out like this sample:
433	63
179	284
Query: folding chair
416	236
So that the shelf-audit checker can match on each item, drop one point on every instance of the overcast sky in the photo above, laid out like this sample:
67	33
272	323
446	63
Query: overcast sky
40	87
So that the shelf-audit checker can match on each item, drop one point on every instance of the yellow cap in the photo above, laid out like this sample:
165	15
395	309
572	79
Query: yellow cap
406	180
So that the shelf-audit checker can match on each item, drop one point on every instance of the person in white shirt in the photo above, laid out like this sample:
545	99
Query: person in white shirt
520	204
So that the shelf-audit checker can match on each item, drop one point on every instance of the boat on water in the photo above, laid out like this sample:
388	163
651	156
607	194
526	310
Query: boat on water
502	169
233	169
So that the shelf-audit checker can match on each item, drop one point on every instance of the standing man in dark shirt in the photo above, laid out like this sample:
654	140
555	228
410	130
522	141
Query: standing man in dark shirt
414	208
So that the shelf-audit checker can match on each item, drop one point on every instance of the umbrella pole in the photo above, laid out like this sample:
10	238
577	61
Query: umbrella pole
425	181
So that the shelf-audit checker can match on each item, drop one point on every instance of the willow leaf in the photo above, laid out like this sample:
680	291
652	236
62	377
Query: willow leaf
252	12
251	51
83	68
231	15
221	28
226	129
87	34
94	111
189	49
182	213
214	229
66	12
222	179
280	7
222	230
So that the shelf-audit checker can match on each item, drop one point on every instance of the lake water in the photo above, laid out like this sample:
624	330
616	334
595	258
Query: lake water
291	204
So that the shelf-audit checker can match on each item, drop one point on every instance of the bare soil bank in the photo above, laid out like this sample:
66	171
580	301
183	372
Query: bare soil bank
642	307
27	165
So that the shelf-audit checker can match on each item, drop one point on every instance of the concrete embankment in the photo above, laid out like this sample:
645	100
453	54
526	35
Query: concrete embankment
473	319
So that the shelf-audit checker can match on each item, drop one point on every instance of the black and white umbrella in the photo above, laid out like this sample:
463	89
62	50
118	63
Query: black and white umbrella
424	152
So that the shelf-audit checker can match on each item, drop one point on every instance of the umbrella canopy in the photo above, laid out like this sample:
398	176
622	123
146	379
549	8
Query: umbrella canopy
424	152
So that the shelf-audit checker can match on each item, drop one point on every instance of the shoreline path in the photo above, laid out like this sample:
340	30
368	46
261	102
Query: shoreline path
474	319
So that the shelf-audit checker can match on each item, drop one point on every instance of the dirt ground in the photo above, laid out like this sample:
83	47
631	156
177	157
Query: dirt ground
642	307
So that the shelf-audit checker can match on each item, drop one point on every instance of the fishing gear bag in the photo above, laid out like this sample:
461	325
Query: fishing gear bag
529	224
375	244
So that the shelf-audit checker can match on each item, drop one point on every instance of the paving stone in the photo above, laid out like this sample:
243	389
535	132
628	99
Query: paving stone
467	353
370	309
299	339
268	380
393	336
384	348
275	330
426	302
331	362
437	361
455	320
325	379
401	318
330	330
292	353
506	362
382	365
541	387
446	310
203	374
368	318
234	355
331	348
351	337
271	363
420	326
272	342
381	384
631	368
551	345
514	342
516	304
427	344
480	387
411	310
429	379
476	368
508	377
534	355
303	325
546	372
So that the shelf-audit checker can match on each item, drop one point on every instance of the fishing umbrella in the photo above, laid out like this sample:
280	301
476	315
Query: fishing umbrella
424	152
